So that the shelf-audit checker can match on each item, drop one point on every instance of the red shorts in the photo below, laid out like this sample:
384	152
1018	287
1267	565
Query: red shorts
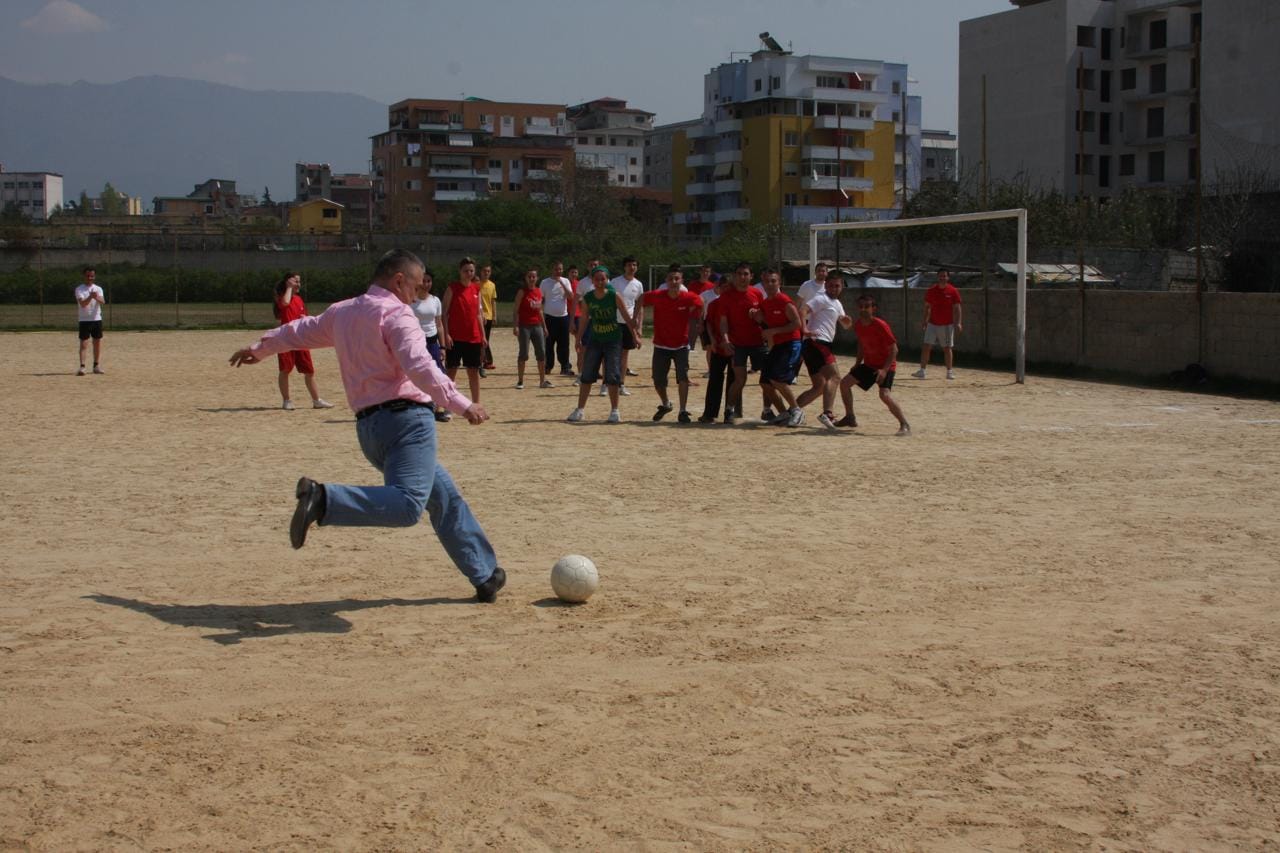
299	358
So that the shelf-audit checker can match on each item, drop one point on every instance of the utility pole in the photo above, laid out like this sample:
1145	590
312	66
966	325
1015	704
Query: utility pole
1080	200
986	205
839	168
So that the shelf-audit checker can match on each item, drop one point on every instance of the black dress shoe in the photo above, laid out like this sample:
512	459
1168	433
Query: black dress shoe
310	509
487	592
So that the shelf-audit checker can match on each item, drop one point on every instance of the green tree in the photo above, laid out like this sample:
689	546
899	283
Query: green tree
111	202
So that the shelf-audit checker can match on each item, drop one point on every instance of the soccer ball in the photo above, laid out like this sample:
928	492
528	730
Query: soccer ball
574	578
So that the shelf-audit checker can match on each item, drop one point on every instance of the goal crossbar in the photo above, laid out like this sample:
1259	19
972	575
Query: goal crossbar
1020	214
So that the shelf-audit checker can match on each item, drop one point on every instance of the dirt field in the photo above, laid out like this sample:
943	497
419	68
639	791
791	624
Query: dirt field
1046	621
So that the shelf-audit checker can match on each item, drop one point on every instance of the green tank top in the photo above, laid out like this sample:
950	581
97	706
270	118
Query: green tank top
603	311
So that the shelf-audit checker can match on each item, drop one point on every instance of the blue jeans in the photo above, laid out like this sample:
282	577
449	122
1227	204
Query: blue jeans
402	445
607	354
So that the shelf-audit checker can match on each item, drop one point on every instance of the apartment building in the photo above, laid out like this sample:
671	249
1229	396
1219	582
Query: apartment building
660	146
352	190
609	135
1094	96
33	194
212	199
939	150
436	153
798	138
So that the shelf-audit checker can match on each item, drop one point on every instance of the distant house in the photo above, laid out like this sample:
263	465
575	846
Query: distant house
317	216
33	194
215	198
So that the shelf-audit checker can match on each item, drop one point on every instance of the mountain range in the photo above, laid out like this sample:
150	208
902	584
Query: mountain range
160	136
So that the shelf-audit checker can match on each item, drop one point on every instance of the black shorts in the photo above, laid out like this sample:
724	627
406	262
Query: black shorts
662	361
865	375
757	355
90	329
628	337
705	337
817	355
465	354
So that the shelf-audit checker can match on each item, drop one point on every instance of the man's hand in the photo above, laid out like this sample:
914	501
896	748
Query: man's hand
243	356
475	414
515	330
880	375
959	328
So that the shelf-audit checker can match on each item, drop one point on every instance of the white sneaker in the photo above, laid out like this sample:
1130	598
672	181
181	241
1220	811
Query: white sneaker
826	421
547	383
623	390
98	370
319	403
919	374
575	416
80	372
796	417
287	405
903	431
614	417
519	386
604	389
951	374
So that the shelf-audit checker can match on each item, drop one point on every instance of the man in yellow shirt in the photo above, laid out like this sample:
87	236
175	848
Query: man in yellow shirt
489	309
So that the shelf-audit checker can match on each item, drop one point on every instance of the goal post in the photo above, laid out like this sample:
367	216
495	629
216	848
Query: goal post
1020	214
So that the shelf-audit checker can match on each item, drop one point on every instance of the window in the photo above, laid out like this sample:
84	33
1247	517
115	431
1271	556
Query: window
582	140
1155	122
1088	123
613	141
495	186
646	161
632	179
448	186
495	164
413	208
790	138
1191	163
1085	79
930	163
759	85
775	83
1155	167
1104	128
599	140
1104	170
1106	43
1104	86
791	169
1084	36
1126	164
514	186
1158	35
646	180
455	118
35	185
1128	79
631	143
515	165
1193	117
633	161
830	82
896	87
1088	164
1158	75
208	208
1122	37
328	213
22	185
789	199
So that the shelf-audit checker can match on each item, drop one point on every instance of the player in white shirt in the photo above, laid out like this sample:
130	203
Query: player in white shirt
821	315
630	289
813	286
89	302
558	304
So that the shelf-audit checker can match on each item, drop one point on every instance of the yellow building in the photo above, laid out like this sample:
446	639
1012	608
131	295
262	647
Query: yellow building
799	139
318	216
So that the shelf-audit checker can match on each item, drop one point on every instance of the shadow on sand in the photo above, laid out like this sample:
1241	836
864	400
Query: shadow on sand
243	621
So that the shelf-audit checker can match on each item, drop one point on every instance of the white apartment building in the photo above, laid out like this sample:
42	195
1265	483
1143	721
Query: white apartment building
1098	95
33	194
607	134
939	150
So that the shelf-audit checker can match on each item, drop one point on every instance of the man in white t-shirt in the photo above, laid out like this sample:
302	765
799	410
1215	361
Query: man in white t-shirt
630	289
558	305
821	315
89	302
813	286
584	287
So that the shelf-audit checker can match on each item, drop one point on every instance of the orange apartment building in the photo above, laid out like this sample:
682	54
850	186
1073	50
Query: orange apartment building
436	154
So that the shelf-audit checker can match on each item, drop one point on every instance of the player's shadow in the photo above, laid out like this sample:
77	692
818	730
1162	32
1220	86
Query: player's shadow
244	621
240	409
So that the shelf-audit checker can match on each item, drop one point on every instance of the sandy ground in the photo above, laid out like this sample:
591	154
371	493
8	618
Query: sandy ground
1046	621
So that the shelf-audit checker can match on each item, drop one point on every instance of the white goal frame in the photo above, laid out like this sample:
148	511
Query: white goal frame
1020	346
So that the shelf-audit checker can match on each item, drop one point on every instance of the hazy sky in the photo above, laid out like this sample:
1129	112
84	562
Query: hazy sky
652	53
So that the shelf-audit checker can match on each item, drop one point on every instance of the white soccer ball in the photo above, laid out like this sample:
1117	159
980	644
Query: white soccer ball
574	578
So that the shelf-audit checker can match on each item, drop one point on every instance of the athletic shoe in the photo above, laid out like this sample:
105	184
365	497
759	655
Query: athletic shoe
903	431
519	386
604	389
919	374
98	370
706	419
951	374
767	415
685	418
319	403
487	592
614	417
780	418
663	411
846	421
567	373
491	366
730	416
482	373
287	405
825	420
796	417
575	416
81	371
310	509
631	372
546	383
624	391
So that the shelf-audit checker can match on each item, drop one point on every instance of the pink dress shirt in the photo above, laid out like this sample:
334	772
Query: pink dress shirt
382	353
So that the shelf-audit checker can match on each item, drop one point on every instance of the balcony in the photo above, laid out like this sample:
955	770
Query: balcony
830	152
732	156
702	131
457	173
542	174
844	123
699	189
844	96
733	214
729	125
542	130
732	185
693	161
829	182
457	195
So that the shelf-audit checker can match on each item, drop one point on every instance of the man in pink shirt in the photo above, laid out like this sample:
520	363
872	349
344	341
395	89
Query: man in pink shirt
389	378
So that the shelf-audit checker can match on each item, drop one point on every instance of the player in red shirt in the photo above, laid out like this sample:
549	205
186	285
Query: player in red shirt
461	332
530	328
782	329
288	306
942	322
676	312
876	363
742	339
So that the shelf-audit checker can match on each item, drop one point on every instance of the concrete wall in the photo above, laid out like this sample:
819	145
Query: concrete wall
1141	333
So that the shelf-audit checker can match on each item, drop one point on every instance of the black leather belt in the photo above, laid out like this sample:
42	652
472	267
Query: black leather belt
390	406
